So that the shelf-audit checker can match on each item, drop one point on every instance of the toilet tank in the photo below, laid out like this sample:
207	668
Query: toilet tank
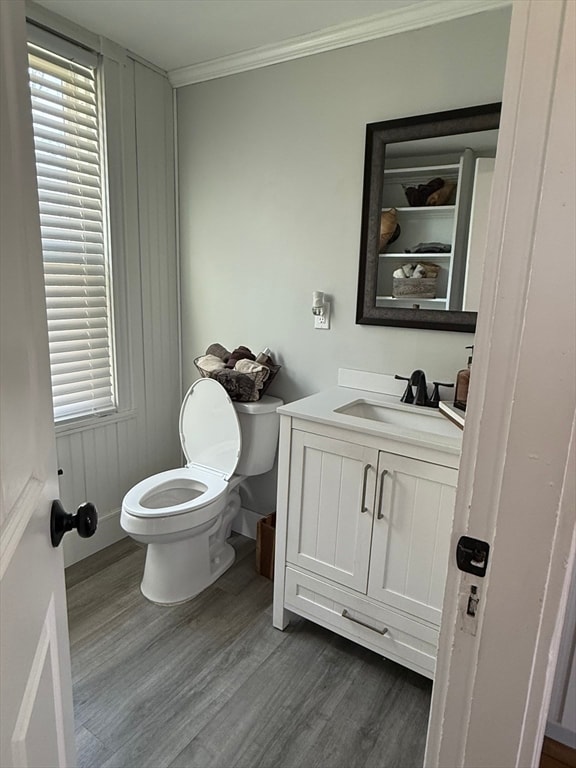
259	424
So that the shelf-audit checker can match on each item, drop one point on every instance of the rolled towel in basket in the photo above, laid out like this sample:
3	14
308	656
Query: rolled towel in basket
240	353
248	366
219	351
210	363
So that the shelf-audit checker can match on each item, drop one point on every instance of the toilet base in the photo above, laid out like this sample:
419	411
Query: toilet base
178	571
181	564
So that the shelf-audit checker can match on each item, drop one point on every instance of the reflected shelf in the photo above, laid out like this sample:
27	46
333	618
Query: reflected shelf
409	302
415	256
422	208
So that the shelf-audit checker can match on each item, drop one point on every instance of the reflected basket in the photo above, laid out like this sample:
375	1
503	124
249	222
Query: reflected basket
414	287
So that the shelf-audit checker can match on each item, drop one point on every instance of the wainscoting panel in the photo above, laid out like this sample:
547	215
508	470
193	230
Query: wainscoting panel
98	466
160	297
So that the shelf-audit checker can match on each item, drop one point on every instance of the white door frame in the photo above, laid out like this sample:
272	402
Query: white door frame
516	484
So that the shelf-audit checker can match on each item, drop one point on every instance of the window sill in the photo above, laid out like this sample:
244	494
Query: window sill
92	422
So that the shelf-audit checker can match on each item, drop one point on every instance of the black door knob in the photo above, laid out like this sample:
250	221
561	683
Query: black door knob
85	521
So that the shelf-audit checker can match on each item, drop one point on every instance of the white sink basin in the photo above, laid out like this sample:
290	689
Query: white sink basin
405	417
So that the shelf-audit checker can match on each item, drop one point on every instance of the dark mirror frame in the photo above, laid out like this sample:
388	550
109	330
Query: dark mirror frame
484	117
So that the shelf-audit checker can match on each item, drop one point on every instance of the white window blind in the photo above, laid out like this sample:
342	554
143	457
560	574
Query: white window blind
70	176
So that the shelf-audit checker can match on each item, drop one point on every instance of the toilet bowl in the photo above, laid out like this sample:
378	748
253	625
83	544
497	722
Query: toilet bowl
185	515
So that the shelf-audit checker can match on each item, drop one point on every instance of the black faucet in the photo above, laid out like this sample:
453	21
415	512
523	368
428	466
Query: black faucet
408	396
418	380
434	401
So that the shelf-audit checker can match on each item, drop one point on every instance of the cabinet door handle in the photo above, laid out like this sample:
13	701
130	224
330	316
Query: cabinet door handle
346	615
363	507
381	494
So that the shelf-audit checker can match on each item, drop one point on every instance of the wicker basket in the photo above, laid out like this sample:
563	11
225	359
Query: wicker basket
273	370
414	287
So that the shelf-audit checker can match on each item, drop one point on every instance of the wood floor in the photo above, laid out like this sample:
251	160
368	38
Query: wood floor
556	755
211	684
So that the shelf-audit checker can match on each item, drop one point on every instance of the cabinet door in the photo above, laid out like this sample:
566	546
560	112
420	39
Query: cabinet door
411	538
330	502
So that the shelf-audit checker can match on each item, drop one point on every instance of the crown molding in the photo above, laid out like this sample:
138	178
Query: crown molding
415	16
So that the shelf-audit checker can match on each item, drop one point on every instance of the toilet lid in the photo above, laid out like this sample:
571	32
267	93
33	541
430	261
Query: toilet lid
209	428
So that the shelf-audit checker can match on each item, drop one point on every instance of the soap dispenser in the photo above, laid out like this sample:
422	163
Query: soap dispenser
462	384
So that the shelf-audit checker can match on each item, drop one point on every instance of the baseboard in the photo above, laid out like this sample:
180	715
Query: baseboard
108	532
245	522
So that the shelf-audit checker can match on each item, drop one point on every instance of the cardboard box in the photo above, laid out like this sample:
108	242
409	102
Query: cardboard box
265	539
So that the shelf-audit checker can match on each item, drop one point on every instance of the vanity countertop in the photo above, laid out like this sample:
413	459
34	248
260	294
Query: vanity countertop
454	414
421	426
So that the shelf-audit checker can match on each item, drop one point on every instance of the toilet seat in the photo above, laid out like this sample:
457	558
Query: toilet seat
211	441
209	428
212	486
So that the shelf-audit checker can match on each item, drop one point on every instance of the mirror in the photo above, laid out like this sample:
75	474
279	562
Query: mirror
427	182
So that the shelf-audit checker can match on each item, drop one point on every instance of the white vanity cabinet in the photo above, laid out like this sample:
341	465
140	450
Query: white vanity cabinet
363	538
332	484
411	535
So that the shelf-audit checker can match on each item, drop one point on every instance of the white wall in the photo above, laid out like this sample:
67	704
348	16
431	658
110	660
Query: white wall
270	172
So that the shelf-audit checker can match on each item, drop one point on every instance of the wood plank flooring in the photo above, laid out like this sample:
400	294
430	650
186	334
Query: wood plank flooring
211	684
557	755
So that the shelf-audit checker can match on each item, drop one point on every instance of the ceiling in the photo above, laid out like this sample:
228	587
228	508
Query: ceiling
179	33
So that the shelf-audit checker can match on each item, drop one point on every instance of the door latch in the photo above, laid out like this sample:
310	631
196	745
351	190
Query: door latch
472	555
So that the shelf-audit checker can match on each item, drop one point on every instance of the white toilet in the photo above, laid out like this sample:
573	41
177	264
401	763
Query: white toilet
185	515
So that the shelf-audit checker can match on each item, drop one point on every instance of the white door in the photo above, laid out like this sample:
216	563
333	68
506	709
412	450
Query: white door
36	703
411	536
516	487
330	504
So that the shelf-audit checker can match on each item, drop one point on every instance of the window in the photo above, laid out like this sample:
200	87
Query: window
71	177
